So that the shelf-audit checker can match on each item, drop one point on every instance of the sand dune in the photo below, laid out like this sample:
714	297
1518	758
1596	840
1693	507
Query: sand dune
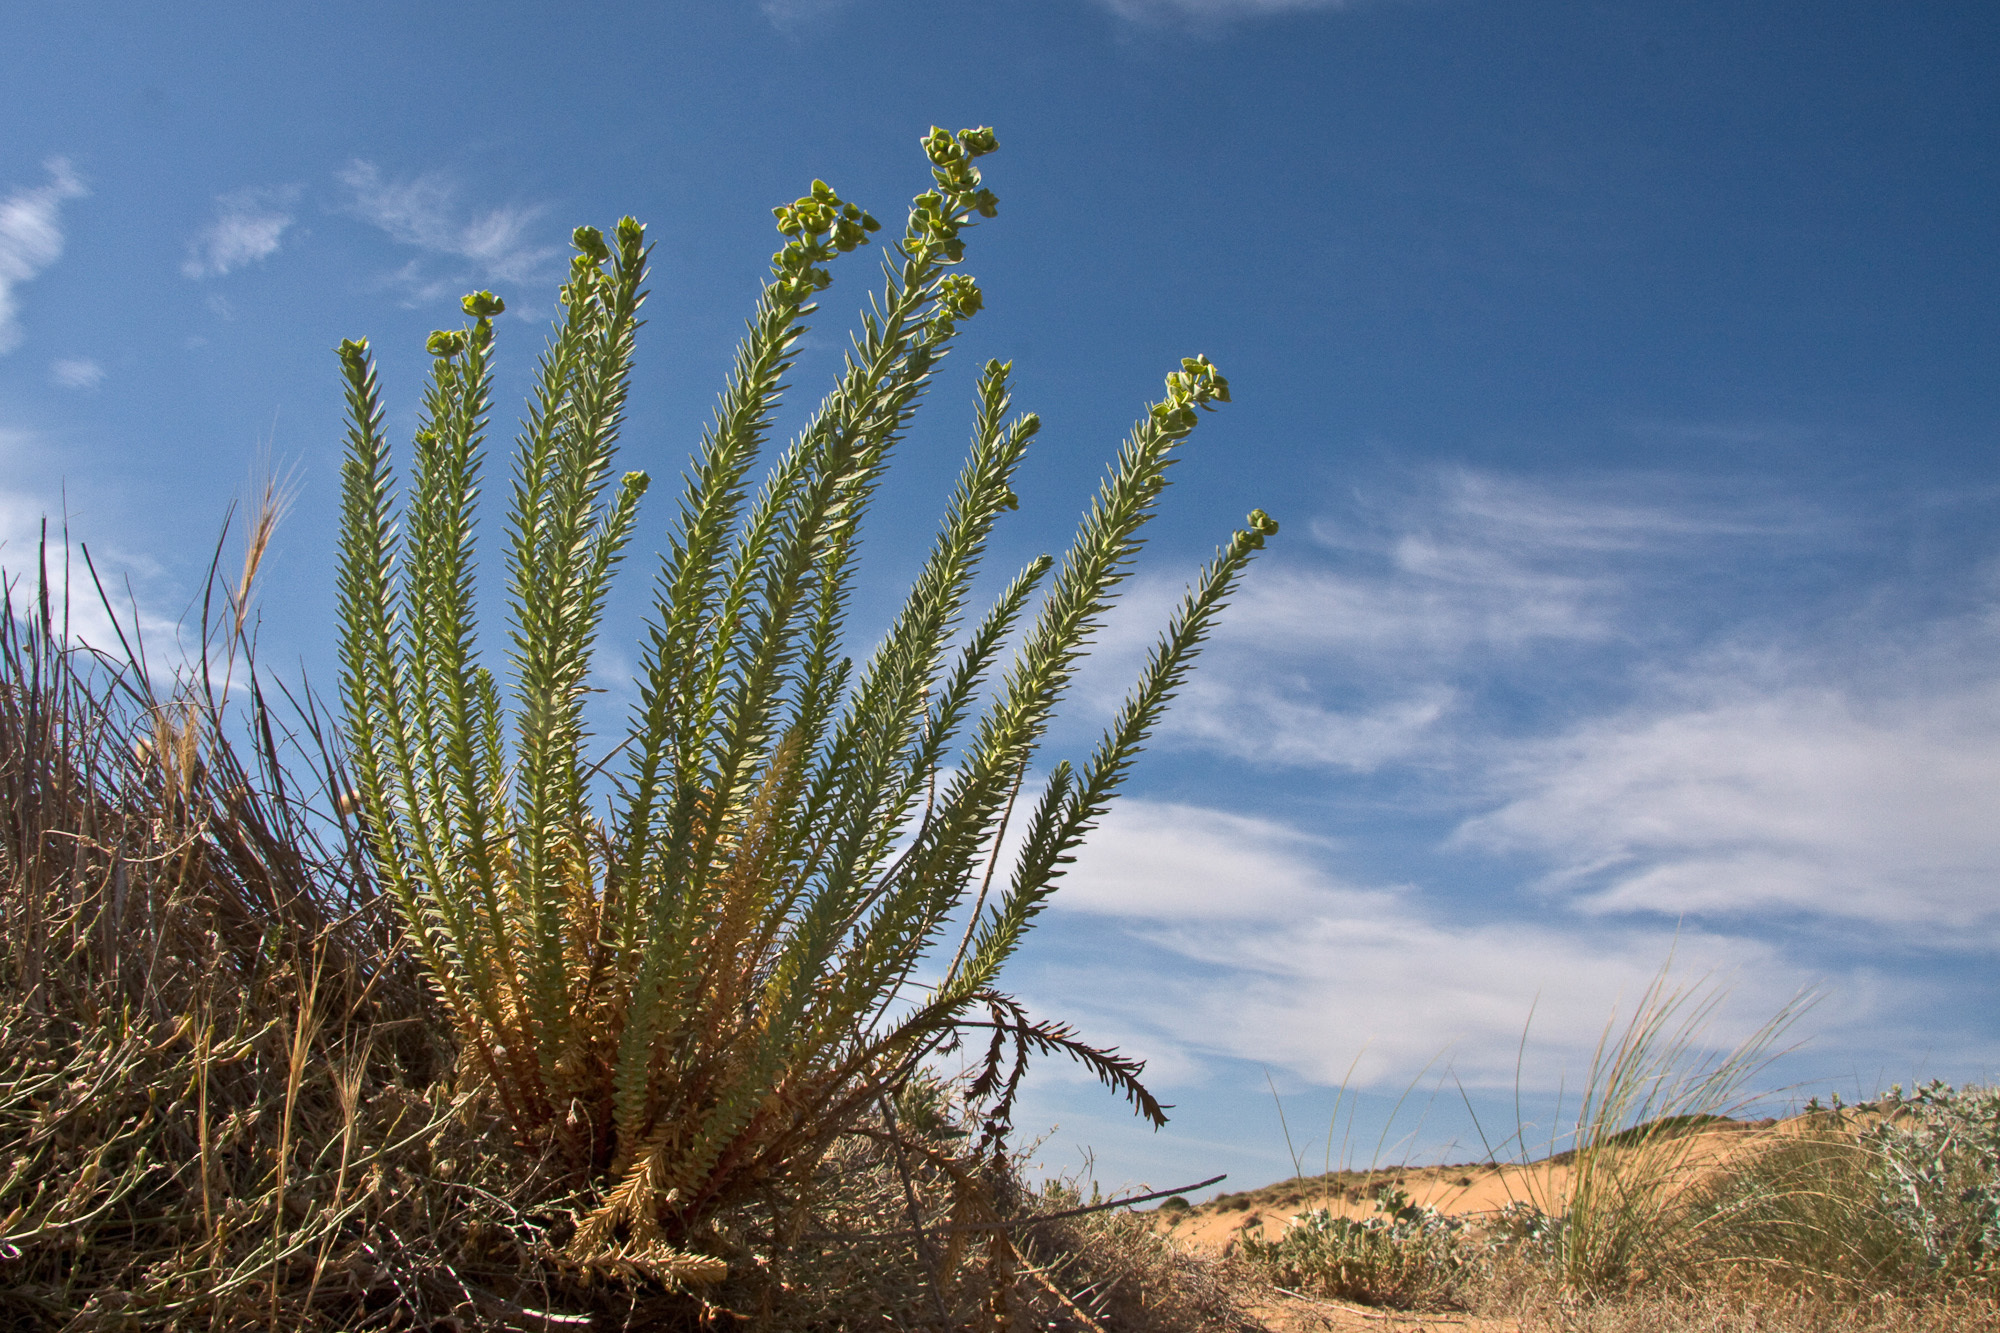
1460	1189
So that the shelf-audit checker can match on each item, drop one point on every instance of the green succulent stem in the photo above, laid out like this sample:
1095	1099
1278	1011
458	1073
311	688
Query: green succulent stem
679	961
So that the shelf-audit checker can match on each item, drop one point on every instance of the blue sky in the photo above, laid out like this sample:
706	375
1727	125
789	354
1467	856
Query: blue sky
1624	375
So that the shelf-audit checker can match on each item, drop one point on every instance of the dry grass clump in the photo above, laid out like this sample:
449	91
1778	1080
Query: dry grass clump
1801	1210
215	1069
227	1101
1119	1271
991	1253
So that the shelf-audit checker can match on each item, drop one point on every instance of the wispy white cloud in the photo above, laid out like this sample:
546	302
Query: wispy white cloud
31	239
1278	722
1838	764
1366	643
80	373
424	212
249	227
1269	957
30	515
1542	519
787	15
1736	797
1605	720
1211	11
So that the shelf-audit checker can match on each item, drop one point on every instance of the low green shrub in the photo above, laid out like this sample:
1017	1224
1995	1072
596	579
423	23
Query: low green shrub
1405	1255
1936	1153
1120	1271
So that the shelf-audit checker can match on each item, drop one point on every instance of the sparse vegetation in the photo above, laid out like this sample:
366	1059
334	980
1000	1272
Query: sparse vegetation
1793	1224
380	1021
444	1011
1405	1255
1664	1211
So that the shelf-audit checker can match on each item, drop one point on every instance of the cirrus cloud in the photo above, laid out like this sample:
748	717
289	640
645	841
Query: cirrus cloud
31	239
1252	948
1732	797
423	211
1584	722
77	373
249	226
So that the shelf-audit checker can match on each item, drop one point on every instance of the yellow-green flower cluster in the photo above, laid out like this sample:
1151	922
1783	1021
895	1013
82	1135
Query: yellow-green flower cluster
821	225
1197	384
937	215
587	279
448	344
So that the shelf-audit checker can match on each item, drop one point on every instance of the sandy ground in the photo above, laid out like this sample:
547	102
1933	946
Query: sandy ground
1449	1189
1457	1189
1285	1314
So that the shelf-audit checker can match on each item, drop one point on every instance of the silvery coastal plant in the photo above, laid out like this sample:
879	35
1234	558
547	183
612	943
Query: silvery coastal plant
685	963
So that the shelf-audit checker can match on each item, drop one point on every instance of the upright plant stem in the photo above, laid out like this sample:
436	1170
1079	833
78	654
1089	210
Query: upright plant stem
698	992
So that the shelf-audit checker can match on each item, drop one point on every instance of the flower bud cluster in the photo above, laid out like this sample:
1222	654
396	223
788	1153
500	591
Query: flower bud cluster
1262	525
821	226
937	215
482	306
586	268
446	344
1197	384
957	297
590	246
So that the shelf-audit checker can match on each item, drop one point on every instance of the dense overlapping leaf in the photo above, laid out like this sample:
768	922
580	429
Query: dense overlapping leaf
687	985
